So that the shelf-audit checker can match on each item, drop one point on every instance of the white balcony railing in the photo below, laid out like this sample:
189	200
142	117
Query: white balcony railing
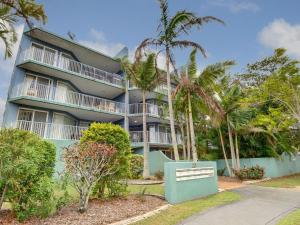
51	130
59	95
153	137
151	109
162	88
50	57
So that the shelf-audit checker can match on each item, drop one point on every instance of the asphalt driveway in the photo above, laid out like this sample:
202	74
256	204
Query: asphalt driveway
259	206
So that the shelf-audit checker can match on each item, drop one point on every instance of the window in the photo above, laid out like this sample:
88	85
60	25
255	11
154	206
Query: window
43	54
37	86
32	120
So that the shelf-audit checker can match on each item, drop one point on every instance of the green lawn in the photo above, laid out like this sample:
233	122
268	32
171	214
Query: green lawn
157	189
283	182
291	219
177	213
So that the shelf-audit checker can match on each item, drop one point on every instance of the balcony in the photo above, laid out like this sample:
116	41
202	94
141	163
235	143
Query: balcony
154	112
154	138
80	105
135	93
87	78
51	130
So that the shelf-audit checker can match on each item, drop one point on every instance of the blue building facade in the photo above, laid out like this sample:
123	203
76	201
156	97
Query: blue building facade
58	87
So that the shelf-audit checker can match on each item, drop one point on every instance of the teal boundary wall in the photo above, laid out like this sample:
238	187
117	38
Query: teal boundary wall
60	145
283	166
157	160
180	191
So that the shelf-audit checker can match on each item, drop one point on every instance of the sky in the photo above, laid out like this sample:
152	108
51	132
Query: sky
253	29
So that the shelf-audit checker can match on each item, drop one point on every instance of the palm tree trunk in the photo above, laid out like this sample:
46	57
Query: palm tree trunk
233	161
146	172
237	152
3	194
193	142
224	152
188	140
183	142
171	113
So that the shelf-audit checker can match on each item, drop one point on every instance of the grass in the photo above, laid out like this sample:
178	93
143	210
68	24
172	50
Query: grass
291	219
283	182
177	213
157	189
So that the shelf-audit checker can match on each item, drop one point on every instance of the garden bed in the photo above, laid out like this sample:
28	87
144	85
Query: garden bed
99	212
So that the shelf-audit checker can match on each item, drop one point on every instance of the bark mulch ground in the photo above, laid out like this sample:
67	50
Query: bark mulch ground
228	183
99	212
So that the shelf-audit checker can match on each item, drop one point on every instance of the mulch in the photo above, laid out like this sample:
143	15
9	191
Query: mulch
227	183
99	212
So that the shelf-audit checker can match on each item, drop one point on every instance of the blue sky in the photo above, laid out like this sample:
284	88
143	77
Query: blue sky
253	28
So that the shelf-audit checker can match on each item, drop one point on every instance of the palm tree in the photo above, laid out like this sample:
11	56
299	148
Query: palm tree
169	31
145	76
199	87
10	12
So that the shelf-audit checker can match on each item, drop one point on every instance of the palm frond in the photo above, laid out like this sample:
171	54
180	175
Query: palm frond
186	44
212	72
164	9
141	49
197	22
192	66
178	20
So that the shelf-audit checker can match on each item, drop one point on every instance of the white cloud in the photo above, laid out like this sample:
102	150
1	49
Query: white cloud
6	67
99	42
281	34
236	6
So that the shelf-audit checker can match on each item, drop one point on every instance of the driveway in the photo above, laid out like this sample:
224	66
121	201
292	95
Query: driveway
259	206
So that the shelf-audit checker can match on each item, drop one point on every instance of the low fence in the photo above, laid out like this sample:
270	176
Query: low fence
283	166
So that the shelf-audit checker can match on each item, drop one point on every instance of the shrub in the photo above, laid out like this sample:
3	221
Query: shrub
89	162
221	172
116	136
159	175
136	166
26	167
251	173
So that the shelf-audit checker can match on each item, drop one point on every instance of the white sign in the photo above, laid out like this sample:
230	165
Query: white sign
194	173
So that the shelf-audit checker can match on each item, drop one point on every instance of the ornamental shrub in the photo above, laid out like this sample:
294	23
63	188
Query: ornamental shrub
116	136
250	173
26	167
136	166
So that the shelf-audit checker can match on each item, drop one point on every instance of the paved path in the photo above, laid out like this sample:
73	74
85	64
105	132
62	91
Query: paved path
259	206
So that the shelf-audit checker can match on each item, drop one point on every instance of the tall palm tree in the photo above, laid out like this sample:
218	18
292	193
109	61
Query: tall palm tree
10	12
199	87
144	75
169	31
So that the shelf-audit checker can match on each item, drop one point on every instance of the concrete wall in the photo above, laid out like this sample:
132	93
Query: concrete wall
285	165
157	160
184	190
60	145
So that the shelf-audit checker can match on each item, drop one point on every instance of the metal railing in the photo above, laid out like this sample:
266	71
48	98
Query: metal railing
153	137
51	130
50	57
151	109
162	88
59	95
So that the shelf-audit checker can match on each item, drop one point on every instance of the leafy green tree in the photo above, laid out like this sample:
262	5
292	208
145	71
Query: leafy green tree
169	31
11	11
116	136
144	75
26	167
256	73
199	87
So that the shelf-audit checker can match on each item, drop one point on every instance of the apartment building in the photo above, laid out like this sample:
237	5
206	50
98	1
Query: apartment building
58	87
